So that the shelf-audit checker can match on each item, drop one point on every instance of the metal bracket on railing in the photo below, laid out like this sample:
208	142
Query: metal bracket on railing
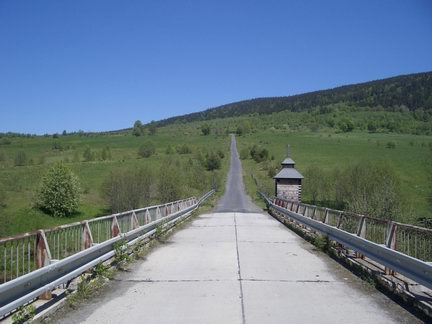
134	221
147	217
361	232
43	257
115	228
391	242
87	237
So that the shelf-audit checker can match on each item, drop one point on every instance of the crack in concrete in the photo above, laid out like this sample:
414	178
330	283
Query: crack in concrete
292	281
226	280
212	226
266	242
169	280
239	272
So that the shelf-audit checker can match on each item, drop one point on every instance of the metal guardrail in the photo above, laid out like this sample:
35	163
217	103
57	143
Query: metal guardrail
96	238
370	237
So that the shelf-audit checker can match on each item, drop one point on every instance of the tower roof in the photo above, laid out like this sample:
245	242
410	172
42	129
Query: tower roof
288	160
288	173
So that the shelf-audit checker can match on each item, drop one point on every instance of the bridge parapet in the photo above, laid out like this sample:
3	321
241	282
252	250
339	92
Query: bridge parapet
401	248
411	240
33	264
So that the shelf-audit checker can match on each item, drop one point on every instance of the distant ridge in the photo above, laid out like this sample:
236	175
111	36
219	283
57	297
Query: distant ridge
407	92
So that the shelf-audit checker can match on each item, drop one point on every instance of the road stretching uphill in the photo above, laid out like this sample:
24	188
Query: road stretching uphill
238	265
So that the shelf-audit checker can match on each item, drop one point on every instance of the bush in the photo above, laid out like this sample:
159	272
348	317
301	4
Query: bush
128	189
20	159
183	149
169	150
346	125
213	161
371	189
391	145
221	154
59	191
57	146
147	149
259	154
88	154
205	129
272	170
106	153
315	184
138	128
5	141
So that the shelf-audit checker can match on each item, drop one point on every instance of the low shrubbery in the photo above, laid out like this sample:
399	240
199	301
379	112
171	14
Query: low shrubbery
366	188
20	158
147	149
128	189
183	149
259	154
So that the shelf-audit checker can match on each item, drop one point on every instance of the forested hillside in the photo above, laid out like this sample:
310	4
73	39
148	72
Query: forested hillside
408	95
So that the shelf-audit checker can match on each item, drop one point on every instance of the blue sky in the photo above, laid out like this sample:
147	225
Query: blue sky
101	64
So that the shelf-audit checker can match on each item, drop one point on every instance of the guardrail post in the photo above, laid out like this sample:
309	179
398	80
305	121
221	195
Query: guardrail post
87	237
134	221
361	232
158	213
43	257
298	207
115	227
391	242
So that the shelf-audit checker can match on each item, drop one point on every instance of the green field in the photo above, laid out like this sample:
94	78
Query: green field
19	183
411	160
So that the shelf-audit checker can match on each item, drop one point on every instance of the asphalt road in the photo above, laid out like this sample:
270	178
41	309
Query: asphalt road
235	198
237	266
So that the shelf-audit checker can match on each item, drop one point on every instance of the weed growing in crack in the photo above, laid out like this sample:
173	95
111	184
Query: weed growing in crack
121	257
24	314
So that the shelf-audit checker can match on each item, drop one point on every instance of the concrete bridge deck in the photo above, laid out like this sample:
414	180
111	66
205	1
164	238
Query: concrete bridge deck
238	265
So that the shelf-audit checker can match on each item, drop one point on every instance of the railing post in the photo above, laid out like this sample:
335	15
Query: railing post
361	232
43	257
147	217
298	207
339	222
87	237
391	242
115	228
325	220
134	221
158	213
314	212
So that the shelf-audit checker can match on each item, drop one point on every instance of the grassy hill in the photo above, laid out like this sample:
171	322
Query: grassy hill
18	184
400	104
387	120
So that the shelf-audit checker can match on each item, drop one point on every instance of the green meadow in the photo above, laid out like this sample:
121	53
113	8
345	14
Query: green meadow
411	159
19	183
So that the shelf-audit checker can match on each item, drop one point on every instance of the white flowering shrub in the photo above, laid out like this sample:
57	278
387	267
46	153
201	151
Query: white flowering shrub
59	191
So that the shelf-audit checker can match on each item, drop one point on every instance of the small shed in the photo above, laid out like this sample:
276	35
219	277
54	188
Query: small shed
288	181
